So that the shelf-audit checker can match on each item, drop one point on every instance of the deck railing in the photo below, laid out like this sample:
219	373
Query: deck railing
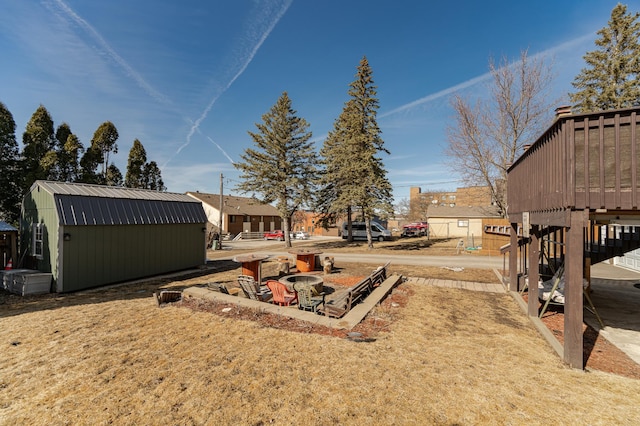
585	161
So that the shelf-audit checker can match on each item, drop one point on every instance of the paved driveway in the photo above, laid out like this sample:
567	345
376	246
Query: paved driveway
466	260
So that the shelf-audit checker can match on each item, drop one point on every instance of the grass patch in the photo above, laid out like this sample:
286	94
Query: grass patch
433	355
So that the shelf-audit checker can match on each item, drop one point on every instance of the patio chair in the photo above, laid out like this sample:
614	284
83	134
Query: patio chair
230	291
281	295
306	301
252	289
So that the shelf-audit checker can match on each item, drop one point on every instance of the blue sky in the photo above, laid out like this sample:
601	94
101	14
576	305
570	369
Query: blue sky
189	79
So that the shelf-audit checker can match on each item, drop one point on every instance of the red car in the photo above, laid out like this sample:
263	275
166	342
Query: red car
415	229
274	235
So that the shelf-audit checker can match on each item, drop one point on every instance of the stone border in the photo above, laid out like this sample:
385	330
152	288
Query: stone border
348	321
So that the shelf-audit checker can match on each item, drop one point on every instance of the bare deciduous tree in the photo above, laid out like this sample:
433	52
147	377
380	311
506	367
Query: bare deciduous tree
488	136
402	208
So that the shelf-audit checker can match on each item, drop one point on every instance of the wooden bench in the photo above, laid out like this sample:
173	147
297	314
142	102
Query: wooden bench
379	275
342	304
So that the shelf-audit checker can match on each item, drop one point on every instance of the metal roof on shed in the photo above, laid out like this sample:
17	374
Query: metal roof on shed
88	190
83	204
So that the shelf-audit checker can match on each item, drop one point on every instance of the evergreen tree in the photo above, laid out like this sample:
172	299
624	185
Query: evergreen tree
38	150
152	178
113	177
610	80
103	144
62	134
354	175
283	166
89	163
68	159
331	201
135	166
68	149
10	176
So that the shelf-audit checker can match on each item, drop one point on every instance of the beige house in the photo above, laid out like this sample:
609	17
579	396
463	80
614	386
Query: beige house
460	222
239	214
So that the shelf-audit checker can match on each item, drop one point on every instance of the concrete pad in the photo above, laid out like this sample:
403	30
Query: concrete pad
618	304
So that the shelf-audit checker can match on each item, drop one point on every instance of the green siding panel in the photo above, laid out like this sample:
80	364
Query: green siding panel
38	207
100	255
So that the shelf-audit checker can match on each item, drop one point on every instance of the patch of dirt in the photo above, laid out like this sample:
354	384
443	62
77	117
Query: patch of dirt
599	353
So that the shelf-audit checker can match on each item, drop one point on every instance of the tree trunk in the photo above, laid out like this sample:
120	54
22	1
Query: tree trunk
285	228
349	226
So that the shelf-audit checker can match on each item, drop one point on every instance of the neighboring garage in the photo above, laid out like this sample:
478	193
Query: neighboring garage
92	235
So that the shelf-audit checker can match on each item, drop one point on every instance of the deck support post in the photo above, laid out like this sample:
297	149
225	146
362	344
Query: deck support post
534	271
513	259
573	305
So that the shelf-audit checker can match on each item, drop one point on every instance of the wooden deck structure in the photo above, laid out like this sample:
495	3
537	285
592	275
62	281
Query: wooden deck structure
575	194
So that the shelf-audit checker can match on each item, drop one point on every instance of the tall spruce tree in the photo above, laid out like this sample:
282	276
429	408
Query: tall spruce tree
283	166
135	165
331	201
10	174
353	167
611	78
38	150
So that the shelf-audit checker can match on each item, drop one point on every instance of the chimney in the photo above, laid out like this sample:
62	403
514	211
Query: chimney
563	111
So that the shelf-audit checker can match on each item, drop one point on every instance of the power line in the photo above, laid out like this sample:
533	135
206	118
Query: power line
428	183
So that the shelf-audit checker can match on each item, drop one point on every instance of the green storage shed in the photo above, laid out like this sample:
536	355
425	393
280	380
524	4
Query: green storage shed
92	235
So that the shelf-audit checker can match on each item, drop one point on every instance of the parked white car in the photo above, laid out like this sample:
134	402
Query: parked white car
301	235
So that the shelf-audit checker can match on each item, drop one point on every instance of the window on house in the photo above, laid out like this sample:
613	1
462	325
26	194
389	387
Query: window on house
232	219
37	246
463	223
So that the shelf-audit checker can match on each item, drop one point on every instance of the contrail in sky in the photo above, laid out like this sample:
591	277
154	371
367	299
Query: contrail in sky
196	124
64	8
437	95
219	147
486	76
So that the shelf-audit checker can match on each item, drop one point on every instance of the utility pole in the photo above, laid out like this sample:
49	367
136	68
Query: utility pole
220	217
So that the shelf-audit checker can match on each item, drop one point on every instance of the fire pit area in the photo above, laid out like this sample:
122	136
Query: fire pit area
291	281
305	259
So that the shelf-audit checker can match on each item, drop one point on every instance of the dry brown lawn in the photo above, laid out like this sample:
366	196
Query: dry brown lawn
111	356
